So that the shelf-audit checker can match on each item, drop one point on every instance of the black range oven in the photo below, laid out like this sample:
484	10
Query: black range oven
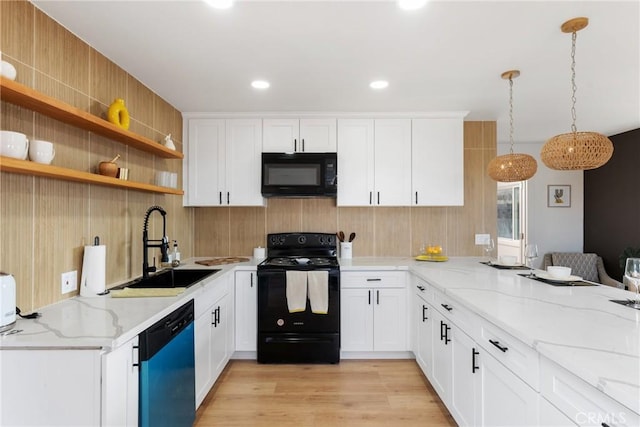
301	336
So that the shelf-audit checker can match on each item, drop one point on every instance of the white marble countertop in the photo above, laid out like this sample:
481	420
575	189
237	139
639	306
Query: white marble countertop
576	327
104	322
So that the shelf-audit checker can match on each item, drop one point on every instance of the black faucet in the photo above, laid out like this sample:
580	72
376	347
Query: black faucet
163	243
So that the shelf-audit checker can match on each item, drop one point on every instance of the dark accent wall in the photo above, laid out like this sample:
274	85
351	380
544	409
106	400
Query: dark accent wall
612	203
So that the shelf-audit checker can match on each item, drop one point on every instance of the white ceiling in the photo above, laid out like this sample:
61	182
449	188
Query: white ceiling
321	55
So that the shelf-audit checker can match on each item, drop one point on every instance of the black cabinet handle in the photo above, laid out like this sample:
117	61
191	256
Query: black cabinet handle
251	279
604	425
374	280
424	312
369	297
303	145
497	344
133	350
213	319
422	288
295	145
474	353
370	196
227	197
378	197
416	197
447	307
220	195
442	326
447	328
378	297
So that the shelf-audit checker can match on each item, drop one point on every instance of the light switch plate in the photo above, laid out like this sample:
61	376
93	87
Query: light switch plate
482	239
69	281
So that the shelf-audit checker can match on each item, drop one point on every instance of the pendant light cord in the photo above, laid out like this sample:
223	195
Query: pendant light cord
511	114
574	88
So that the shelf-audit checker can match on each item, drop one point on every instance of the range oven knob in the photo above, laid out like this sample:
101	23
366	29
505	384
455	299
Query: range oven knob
280	322
302	240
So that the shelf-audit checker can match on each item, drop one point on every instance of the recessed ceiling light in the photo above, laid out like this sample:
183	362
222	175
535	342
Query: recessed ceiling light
220	4
379	84
260	84
411	4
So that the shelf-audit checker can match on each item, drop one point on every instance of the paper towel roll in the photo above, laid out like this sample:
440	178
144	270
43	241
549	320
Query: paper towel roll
94	264
259	253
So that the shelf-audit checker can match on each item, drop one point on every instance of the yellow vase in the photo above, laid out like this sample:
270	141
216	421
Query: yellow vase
118	114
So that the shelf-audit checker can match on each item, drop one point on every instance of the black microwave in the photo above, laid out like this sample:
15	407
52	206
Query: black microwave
299	174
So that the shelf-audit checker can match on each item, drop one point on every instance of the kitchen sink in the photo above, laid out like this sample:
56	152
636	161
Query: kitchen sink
169	279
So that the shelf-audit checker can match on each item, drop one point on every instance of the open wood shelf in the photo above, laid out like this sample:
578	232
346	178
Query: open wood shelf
8	164
24	96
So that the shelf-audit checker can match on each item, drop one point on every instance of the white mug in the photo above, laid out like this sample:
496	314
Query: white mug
41	151
14	144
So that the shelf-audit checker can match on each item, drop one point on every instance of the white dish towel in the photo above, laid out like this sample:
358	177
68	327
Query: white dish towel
319	291
296	291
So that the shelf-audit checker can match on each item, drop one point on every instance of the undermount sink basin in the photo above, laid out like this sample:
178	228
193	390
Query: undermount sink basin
169	279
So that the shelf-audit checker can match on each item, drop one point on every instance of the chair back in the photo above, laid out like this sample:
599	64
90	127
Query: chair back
583	265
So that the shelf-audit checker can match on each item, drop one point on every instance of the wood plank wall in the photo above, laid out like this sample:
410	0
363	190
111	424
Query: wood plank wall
382	231
45	223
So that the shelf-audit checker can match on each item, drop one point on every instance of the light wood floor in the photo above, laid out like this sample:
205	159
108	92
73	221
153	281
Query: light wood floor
352	393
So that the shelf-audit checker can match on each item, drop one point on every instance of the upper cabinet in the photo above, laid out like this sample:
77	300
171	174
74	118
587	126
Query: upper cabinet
437	162
222	163
374	162
299	135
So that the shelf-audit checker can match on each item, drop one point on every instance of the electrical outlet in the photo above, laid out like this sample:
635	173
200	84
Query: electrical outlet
482	239
69	281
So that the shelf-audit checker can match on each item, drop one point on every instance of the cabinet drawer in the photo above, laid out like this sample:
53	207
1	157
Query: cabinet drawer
211	293
373	279
511	352
456	313
582	403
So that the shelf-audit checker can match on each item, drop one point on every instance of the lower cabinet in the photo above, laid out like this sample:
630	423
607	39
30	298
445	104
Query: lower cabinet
373	319
422	337
213	335
120	392
246	305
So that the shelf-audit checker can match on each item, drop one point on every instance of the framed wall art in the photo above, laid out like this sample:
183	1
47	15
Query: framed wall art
558	196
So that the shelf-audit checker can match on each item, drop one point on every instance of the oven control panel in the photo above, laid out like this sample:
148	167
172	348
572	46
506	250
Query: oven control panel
300	240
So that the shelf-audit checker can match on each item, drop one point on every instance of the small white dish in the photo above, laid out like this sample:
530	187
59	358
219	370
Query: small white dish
547	276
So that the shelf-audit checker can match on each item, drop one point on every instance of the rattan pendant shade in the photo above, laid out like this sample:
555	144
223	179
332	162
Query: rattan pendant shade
513	166
576	150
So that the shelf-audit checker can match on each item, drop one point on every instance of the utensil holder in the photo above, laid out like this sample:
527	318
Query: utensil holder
346	250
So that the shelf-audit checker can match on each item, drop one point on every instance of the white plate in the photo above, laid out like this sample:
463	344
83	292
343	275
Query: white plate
547	276
506	265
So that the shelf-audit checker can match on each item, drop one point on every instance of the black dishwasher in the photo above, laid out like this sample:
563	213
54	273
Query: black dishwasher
167	371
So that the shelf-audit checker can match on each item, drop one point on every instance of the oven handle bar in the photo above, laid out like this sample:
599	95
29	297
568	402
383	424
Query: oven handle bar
296	339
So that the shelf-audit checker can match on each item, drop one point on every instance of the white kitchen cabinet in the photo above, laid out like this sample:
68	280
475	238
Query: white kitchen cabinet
373	310
437	162
299	135
246	314
423	323
440	374
121	389
46	387
222	162
212	326
464	397
374	162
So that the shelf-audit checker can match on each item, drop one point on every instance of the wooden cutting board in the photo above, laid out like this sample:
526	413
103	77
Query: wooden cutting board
146	292
221	261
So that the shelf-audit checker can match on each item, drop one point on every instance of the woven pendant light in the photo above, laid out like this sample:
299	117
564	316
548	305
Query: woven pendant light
576	150
512	167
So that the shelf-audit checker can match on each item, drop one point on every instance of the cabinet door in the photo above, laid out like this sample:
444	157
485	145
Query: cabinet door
120	385
437	162
390	321
280	135
423	347
506	400
463	392
219	326
203	356
392	162
204	162
355	162
442	357
356	319
246	311
318	136
243	162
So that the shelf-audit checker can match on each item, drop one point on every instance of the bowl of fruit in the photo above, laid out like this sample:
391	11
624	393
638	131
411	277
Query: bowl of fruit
432	253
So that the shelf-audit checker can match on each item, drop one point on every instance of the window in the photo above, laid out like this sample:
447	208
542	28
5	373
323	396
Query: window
509	212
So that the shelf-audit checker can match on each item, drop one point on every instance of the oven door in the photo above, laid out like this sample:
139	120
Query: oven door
274	316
